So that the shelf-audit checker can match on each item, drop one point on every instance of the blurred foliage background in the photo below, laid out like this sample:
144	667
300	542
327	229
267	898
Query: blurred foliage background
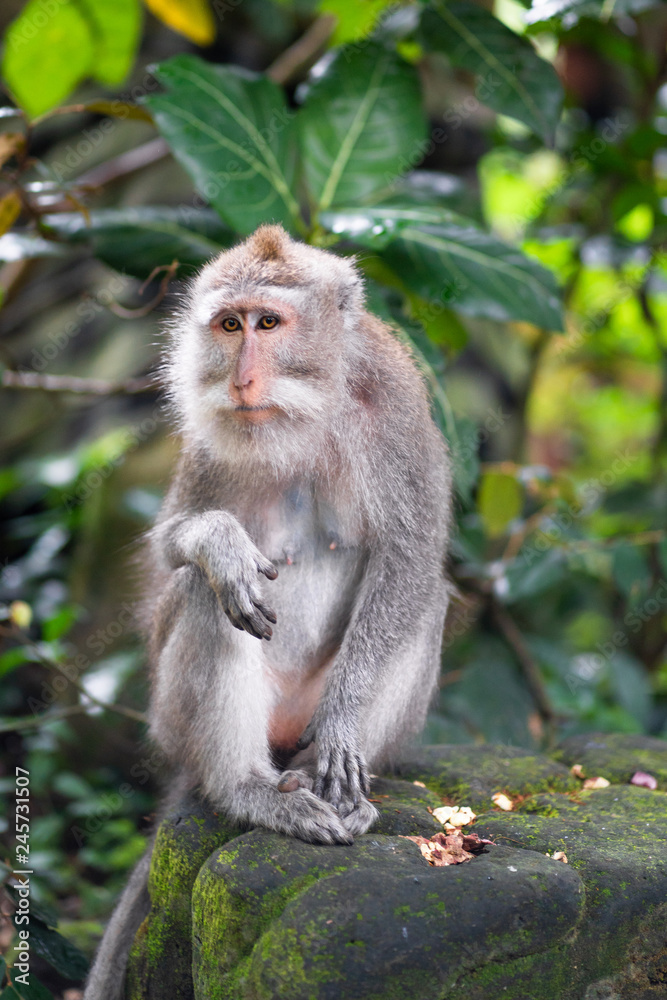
500	171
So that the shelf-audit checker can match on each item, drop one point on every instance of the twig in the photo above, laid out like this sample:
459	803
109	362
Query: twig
170	270
304	51
52	664
528	666
30	721
71	383
126	163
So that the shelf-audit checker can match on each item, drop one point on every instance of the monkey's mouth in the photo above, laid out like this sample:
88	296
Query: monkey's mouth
256	414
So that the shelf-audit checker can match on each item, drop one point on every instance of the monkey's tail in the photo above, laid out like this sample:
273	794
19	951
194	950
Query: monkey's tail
107	976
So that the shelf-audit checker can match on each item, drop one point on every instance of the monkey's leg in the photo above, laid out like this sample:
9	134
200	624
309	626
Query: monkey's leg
107	976
210	712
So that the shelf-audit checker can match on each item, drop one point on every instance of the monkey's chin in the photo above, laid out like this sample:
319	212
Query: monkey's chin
255	414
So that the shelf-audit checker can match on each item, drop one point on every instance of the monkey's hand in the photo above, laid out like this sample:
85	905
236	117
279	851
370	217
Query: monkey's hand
234	577
222	548
340	762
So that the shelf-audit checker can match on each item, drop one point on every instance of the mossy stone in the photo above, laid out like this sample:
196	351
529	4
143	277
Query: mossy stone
616	756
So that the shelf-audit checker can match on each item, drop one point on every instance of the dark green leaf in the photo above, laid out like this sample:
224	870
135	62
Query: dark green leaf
361	125
448	260
512	78
232	131
58	951
42	911
630	686
33	991
632	572
531	573
138	239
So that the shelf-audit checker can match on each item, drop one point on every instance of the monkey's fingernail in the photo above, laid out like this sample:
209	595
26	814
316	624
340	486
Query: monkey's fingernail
288	783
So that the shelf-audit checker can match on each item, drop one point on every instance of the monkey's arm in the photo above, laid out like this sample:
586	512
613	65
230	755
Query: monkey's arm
217	543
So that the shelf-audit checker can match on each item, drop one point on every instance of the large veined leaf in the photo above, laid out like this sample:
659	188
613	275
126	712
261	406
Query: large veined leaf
448	260
232	131
512	78
361	125
137	240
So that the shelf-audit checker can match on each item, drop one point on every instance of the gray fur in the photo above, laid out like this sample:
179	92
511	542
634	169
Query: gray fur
346	493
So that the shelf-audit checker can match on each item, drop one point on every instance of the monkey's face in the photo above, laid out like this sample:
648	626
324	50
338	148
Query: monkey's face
266	359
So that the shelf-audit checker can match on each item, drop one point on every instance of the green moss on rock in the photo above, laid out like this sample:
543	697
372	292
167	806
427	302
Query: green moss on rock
616	756
471	775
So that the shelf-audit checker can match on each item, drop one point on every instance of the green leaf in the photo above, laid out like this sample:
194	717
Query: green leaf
530	574
499	501
361	125
51	48
544	10
136	240
46	56
232	131
58	951
13	658
115	28
453	263
33	991
512	78
631	571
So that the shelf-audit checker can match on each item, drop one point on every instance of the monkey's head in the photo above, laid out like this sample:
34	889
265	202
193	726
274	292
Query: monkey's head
261	346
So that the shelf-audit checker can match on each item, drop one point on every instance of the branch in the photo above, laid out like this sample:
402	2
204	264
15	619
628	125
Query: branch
71	383
304	52
528	665
30	721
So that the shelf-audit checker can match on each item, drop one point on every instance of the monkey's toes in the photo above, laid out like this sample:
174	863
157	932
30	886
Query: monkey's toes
289	781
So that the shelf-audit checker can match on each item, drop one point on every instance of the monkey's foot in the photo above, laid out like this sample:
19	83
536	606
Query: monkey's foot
300	814
289	781
359	817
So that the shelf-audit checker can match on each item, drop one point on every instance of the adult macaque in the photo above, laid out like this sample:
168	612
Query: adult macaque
310	508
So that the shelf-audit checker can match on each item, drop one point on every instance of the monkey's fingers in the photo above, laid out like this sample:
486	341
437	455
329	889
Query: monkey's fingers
248	622
353	777
307	737
268	613
268	569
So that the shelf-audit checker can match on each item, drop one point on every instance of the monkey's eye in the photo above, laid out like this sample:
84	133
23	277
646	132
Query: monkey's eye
268	323
230	324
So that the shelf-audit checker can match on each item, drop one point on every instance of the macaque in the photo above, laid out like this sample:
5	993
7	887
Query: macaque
297	593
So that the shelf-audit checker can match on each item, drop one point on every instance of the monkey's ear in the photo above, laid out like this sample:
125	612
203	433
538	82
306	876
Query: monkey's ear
351	294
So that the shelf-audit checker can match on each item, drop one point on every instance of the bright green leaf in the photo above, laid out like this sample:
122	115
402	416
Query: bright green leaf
231	130
361	125
499	501
47	55
512	78
116	28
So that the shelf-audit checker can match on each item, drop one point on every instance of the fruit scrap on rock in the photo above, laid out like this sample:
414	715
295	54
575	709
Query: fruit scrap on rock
577	771
596	783
453	817
503	801
558	856
644	780
449	848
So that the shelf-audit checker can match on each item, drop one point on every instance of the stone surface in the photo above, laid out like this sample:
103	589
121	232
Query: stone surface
257	916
